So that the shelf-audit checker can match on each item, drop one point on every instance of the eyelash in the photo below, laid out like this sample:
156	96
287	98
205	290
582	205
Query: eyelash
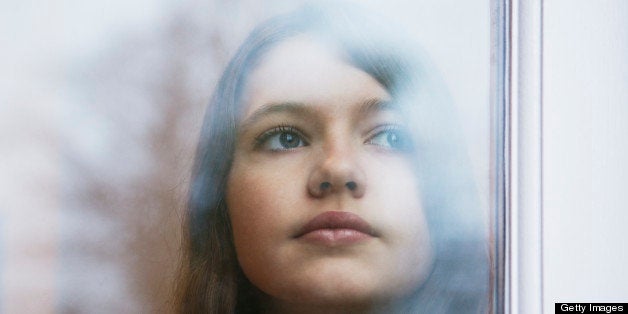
385	128
263	138
388	128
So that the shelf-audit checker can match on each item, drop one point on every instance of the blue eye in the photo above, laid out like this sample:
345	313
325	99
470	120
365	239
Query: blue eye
391	138
281	138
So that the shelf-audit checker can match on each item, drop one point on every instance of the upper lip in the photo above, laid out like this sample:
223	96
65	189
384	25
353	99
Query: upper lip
337	220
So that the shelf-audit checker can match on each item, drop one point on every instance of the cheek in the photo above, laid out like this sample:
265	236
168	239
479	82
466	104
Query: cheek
403	222
262	205
396	191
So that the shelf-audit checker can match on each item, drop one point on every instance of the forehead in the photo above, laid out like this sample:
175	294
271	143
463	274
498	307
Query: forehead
304	70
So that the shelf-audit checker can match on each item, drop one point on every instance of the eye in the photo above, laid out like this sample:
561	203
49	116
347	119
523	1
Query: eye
391	137
281	138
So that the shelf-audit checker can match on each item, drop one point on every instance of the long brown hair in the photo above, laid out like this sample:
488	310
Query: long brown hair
211	279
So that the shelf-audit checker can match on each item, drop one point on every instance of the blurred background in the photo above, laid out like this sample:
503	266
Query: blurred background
100	108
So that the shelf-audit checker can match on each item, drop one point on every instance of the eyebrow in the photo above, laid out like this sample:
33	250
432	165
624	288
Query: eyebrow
374	105
293	108
299	109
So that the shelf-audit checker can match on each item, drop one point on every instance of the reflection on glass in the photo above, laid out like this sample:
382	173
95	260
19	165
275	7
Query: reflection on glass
332	177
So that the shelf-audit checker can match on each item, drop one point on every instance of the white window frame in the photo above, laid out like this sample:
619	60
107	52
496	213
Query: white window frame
517	37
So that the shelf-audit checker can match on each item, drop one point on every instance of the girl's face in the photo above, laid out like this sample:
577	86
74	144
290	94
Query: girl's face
322	196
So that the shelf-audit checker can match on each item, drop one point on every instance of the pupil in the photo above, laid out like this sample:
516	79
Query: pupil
288	140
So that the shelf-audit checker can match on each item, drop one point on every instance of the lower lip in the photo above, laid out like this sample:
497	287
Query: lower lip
335	237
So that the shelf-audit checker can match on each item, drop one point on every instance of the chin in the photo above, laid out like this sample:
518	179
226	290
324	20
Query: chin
345	298
345	289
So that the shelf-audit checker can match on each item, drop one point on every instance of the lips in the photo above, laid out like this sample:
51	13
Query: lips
336	228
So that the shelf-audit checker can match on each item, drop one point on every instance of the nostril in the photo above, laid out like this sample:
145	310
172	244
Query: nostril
325	185
351	185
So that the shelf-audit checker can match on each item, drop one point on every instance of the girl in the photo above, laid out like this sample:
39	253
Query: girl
328	179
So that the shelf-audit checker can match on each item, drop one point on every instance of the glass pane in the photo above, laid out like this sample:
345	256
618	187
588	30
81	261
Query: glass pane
249	155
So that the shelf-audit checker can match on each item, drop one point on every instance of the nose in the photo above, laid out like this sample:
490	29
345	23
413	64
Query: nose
338	171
